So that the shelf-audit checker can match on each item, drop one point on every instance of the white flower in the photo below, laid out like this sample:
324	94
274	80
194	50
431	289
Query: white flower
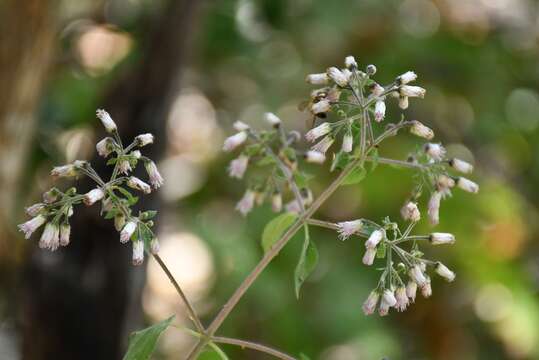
124	166
402	298
324	144
234	141
418	129
467	185
371	69
410	212
347	142
119	222
138	252
51	196
272	119
461	165
107	121
374	239
155	177
426	290
388	300
92	196
323	106
105	146
411	290
276	202
350	62
435	151
379	110
370	304
237	167
434	207
412	91
245	205
407	77
135	154
338	76
441	238
444	183
240	126
320	130
444	272
35	209
32	225
403	102
417	276
144	139
317	79
348	228
377	90
65	232
154	246
50	237
315	157
137	184
68	170
127	231
369	256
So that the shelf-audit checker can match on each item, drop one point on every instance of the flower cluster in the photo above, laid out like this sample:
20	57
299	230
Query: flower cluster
116	200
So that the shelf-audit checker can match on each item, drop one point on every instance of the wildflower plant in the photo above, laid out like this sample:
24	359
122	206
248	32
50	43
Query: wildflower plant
350	126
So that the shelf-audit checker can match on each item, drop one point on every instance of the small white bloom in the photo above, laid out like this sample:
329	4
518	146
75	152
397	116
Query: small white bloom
238	166
245	205
154	246
144	139
315	157
444	271
338	76
374	239
32	225
138	252
371	69
240	126
407	77
412	91
347	74
403	102
108	123
272	119
441	238
234	141
320	130
51	196
410	212
379	110
426	290
350	62
411	290
348	228
368	258
347	142
388	299
127	231
461	165
105	146
434	207
467	185
317	79
137	184
119	222
444	183
323	145
50	239
35	209
402	298
155	177
435	151
136	154
259	197
370	304
418	129
65	232
321	107
276	202
92	196
124	166
68	170
377	90
417	276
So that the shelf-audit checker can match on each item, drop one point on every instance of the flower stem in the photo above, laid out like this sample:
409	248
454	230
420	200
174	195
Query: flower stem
252	345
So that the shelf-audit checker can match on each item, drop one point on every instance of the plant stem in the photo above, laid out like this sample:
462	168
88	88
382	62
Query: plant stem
252	345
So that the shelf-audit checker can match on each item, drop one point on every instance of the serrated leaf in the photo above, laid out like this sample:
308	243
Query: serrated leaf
308	260
276	228
142	343
355	176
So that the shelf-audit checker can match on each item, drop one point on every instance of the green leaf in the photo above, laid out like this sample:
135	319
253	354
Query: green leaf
147	215
302	356
131	200
142	343
218	350
375	156
112	161
276	228
266	160
355	176
381	251
308	260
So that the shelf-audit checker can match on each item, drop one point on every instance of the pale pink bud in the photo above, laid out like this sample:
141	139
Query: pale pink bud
444	183
65	232
412	91
137	184
240	126
154	246
272	119
127	231
435	151
441	238
138	252
315	157
50	237
232	142
350	62
418	129
402	298
348	228
411	290
323	145
51	196
444	272
388	300
407	77
105	147
403	102
245	205
347	142
136	154
144	139
107	121
319	131
92	196
124	166
377	90
379	110
237	167
320	107
461	165
434	207
410	212
293	207
35	209
374	239
68	170
417	276
338	76
368	258
467	185
276	202
155	177
32	225
426	289
317	79
370	304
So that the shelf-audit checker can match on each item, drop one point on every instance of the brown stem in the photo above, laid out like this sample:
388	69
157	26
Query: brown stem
252	345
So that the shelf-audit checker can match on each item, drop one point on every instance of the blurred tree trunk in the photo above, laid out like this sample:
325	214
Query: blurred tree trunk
82	301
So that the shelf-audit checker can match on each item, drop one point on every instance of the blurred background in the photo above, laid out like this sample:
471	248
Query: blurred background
185	70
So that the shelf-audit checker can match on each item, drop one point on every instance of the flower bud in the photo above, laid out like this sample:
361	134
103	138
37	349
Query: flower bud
32	225
374	239
317	79
412	91
105	147
321	107
237	167
426	289
323	145
338	76
50	237
403	102
417	276
370	70
411	290
388	300
441	238
240	126
155	177
461	166
410	212
434	207
407	77
467	185
320	130
276	202
107	121
234	141
444	272
127	231
377	90
119	222
245	205
69	170
369	256
315	157
402	299
350	62
272	119
379	110
138	252
124	166
348	228
92	196
370	304
418	129
144	139
347	142
65	232
435	151
154	246
35	209
137	184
